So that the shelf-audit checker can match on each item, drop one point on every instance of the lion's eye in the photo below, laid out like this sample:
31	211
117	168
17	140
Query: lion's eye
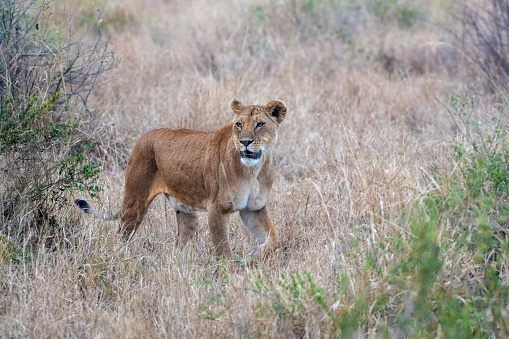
260	124
239	125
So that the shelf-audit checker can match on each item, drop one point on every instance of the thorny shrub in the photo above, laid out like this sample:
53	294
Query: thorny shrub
48	73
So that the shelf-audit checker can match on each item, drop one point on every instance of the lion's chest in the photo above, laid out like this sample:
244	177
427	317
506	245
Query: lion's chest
250	196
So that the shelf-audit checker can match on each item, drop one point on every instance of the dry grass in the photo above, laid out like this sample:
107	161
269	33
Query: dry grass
364	123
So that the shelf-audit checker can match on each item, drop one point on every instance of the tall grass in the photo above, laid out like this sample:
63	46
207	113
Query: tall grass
390	197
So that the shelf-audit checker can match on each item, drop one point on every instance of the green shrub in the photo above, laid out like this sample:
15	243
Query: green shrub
44	92
10	252
468	211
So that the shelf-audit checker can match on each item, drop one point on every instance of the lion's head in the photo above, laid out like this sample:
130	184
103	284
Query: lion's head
255	129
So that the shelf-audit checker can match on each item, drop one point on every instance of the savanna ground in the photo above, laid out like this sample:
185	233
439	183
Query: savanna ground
390	195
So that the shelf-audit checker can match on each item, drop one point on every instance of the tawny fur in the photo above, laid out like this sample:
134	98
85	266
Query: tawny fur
201	171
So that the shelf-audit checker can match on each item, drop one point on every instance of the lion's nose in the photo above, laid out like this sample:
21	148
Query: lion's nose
246	142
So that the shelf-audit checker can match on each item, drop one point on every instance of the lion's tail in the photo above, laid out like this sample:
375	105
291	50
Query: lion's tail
85	207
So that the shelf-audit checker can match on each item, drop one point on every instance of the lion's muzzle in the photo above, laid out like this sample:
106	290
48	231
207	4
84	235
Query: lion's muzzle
251	155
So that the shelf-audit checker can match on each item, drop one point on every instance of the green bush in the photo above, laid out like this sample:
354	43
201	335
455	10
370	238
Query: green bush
44	93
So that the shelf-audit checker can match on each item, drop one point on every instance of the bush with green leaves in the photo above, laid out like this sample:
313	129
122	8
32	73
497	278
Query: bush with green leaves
49	70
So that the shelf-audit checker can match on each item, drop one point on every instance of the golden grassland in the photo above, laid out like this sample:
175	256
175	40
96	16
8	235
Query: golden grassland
367	90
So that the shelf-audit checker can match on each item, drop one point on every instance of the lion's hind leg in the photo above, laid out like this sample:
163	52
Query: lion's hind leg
187	226
138	196
133	211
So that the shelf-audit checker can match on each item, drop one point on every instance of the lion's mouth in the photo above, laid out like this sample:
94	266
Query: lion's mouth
251	155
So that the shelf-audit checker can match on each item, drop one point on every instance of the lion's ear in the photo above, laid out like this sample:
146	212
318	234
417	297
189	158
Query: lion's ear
236	106
277	110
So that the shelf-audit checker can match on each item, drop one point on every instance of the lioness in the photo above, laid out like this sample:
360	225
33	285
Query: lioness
222	172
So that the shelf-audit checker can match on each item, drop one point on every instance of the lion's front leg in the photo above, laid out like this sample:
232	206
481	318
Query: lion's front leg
260	224
218	227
